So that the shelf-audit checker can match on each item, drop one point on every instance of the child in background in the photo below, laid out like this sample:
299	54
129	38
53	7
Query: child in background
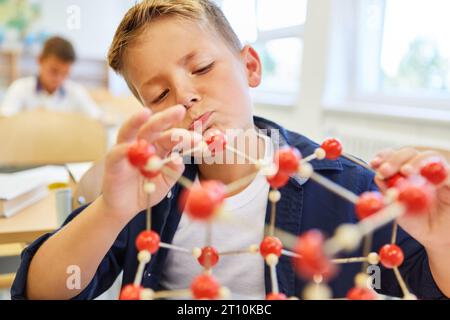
50	89
185	64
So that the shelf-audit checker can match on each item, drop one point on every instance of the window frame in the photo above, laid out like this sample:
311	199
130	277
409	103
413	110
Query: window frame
261	95
368	89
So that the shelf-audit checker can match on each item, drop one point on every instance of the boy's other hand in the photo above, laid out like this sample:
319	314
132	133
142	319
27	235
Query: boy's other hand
430	229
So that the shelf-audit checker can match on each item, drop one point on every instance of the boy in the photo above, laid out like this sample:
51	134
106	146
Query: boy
50	89
184	53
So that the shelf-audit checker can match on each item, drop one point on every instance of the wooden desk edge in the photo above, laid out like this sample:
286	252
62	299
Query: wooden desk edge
27	237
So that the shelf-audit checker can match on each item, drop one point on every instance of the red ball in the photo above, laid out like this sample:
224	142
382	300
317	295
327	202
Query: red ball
182	200
391	256
368	204
209	257
395	180
216	141
216	190
276	296
288	160
279	180
333	148
270	245
148	240
416	196
435	172
312	260
205	286
140	152
130	292
203	200
361	294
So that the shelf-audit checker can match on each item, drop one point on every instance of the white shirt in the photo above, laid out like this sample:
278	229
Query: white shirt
25	94
242	274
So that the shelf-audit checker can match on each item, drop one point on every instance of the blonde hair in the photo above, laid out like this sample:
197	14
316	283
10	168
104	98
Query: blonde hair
141	14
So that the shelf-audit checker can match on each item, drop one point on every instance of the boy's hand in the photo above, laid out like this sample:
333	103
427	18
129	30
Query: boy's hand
123	186
432	228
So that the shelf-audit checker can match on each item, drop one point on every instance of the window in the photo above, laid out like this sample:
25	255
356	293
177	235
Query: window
403	52
275	29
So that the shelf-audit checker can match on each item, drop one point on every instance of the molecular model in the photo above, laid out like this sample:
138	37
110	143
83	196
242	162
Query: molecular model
312	254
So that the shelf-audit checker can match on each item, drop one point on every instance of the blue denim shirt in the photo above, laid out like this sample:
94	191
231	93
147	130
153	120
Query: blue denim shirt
303	206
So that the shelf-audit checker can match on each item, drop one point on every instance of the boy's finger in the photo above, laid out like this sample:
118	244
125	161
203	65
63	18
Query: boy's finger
183	139
131	127
380	183
114	159
414	165
394	162
161	121
176	165
381	157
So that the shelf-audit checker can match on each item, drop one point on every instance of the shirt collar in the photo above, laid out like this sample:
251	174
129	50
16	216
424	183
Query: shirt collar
61	91
286	138
303	144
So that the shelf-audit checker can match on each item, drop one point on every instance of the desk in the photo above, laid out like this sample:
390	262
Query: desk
31	223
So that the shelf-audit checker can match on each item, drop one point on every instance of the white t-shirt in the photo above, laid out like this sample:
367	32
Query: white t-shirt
242	274
26	94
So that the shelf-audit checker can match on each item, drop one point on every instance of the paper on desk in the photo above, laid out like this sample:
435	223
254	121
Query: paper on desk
15	184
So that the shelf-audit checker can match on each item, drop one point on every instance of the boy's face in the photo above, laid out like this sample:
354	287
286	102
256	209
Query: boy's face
177	62
52	72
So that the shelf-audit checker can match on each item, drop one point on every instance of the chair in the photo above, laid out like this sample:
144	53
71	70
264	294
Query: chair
122	107
43	137
9	250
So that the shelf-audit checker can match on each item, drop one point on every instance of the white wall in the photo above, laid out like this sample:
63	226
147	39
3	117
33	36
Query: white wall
99	20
